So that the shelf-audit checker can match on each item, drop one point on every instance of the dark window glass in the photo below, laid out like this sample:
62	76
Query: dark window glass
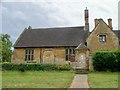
29	51
28	57
67	57
26	51
67	51
67	54
32	51
25	57
70	51
102	38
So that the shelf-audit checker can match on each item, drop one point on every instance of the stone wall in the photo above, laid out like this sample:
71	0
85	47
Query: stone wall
37	55
112	41
18	55
60	55
41	55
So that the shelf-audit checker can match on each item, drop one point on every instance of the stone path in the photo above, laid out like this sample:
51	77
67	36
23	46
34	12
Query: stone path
80	81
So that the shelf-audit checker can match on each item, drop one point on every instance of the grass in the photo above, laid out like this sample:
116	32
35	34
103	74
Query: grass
37	79
56	79
0	79
103	79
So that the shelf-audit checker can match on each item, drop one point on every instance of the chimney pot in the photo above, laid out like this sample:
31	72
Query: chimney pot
96	22
110	23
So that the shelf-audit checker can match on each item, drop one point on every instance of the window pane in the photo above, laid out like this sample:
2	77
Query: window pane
101	38
70	51
32	51
28	57
25	57
26	51
66	50
104	38
67	57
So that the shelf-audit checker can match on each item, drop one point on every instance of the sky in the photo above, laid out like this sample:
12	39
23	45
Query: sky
16	15
119	15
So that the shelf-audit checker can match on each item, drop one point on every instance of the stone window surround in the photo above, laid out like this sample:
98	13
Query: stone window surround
102	38
29	54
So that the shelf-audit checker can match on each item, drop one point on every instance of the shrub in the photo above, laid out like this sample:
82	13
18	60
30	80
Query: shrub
106	61
21	68
34	66
63	67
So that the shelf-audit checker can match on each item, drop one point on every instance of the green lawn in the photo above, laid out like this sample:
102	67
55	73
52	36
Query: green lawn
0	79
103	79
55	79
37	79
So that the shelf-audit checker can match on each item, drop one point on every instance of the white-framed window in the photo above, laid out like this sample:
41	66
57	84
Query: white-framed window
29	54
102	38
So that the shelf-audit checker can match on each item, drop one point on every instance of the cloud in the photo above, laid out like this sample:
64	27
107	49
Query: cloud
43	13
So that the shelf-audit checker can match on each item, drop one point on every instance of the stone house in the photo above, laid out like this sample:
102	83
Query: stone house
63	45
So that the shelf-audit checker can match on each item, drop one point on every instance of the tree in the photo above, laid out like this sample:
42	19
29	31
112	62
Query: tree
6	44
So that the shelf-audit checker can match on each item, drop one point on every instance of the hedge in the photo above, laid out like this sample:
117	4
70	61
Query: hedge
106	61
34	67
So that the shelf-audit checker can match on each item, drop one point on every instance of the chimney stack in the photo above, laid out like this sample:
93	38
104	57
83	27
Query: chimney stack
86	28
110	23
86	15
96	22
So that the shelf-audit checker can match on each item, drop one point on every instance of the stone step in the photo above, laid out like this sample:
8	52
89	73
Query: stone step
79	70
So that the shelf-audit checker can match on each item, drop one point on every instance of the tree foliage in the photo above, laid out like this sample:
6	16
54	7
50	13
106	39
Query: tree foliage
5	48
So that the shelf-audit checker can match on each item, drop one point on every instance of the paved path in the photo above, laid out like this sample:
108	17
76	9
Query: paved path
80	81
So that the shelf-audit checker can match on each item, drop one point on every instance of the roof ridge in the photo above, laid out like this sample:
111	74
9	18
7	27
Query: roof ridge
48	38
58	27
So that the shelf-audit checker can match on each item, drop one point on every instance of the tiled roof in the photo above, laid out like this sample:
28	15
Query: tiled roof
51	37
81	46
117	32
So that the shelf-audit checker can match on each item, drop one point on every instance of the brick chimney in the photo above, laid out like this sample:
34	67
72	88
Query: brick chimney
96	22
110	23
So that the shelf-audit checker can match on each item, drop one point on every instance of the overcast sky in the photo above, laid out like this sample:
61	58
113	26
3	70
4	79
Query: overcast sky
53	13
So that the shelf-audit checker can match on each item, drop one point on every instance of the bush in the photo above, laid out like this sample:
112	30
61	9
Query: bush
63	67
106	61
21	68
34	66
